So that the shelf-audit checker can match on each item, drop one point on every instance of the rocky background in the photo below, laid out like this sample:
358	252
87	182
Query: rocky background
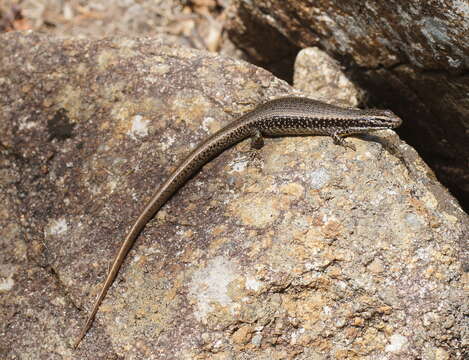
304	251
412	57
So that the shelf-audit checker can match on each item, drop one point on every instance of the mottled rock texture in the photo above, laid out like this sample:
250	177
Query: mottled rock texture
321	77
411	55
308	251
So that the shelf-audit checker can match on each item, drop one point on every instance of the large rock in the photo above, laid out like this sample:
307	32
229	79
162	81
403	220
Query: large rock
308	251
412	56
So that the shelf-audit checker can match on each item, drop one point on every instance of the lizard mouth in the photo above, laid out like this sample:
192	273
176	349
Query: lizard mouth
389	119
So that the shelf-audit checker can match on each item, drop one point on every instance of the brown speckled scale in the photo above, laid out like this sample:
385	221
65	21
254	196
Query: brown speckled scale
284	116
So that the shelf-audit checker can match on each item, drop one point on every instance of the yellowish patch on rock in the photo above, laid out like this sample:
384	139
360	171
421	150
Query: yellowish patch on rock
332	229
259	211
293	189
237	289
107	59
218	230
126	113
306	307
123	113
146	305
261	245
216	244
376	266
70	99
189	109
242	335
159	67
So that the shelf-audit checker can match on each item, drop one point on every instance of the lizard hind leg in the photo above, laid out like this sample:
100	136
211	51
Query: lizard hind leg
257	140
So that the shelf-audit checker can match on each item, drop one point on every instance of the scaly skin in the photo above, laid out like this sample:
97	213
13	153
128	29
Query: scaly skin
284	116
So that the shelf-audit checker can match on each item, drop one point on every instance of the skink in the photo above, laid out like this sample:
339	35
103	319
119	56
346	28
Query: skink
284	116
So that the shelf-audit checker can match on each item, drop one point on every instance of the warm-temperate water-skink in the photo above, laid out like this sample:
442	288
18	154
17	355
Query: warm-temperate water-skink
284	116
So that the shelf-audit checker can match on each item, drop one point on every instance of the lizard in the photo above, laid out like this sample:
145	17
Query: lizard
279	117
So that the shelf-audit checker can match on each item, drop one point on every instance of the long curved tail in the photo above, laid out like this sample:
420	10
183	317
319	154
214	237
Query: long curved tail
137	227
199	157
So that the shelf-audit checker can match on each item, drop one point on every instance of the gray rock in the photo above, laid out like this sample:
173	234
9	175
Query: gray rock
412	56
320	76
311	251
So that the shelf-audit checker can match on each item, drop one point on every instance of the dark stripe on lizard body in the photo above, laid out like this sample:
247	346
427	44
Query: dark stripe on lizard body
284	116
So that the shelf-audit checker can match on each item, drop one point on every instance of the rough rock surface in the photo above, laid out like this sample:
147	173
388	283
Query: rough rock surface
309	251
320	76
412	56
